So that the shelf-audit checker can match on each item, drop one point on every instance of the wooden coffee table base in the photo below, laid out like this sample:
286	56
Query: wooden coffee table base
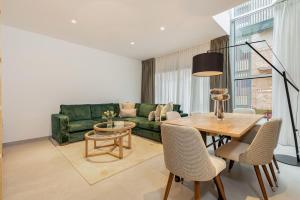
118	142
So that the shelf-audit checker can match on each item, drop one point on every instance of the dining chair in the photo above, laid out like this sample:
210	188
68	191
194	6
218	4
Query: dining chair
258	153
173	115
185	155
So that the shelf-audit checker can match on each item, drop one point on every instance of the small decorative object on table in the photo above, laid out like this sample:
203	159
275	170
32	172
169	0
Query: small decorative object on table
219	96
109	115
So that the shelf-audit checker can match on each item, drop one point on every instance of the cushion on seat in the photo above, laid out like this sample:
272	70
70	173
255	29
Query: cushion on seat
232	150
219	164
176	107
142	122
76	112
98	109
80	125
145	109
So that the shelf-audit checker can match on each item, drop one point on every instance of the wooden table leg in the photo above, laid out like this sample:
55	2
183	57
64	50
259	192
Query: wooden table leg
121	147
86	148
95	144
129	139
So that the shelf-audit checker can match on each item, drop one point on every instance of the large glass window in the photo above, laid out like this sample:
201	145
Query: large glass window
252	21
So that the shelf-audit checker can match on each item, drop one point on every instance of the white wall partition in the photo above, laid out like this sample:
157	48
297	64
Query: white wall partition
40	73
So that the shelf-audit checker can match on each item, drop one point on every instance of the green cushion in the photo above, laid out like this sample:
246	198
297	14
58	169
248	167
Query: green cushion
98	109
176	107
150	125
76	112
142	122
81	125
145	109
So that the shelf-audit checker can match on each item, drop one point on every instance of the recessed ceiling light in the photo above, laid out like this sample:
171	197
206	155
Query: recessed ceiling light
162	28
132	43
74	21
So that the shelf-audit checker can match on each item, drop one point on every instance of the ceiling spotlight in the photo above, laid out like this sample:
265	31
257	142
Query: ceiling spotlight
132	43
74	21
162	28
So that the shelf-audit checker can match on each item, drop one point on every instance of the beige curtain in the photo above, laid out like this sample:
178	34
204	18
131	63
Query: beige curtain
148	81
224	80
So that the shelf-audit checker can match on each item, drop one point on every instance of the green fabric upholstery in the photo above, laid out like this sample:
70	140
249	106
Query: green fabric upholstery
60	127
75	120
176	107
144	123
152	135
81	125
97	110
76	112
184	114
145	109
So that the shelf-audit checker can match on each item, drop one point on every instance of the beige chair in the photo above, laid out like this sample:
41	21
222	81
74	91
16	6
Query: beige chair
259	152
173	115
186	155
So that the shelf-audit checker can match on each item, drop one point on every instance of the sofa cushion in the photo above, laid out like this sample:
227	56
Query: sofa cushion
142	122
176	107
76	112
145	109
98	109
80	125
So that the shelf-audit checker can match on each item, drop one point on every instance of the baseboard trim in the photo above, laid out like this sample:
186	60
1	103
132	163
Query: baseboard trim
25	141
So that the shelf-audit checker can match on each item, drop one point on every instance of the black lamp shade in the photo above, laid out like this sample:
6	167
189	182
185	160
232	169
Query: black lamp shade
208	64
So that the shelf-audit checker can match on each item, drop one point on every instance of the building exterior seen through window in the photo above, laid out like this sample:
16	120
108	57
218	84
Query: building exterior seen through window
252	76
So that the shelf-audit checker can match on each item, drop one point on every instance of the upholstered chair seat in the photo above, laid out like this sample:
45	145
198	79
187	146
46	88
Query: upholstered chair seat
185	155
258	153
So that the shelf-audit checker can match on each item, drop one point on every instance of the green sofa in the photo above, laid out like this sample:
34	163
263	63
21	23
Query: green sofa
73	121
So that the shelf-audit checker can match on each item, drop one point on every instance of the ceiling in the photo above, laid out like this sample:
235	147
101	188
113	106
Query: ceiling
111	25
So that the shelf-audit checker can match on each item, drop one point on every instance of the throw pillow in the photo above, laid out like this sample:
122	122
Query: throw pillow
158	112
151	116
127	105
167	108
127	112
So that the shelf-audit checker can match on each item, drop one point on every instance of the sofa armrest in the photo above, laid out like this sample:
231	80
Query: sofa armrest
60	124
184	114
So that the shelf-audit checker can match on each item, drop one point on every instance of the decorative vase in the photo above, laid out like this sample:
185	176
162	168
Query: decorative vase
219	96
219	109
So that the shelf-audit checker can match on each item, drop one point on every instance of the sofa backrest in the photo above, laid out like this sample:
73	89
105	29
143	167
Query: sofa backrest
98	109
145	109
76	112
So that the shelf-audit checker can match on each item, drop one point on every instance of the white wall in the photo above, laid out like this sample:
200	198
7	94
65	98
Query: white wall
40	73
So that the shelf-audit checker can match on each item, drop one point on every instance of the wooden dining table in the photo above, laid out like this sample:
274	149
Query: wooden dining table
234	125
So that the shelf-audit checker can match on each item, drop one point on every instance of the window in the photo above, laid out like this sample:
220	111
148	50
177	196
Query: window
252	21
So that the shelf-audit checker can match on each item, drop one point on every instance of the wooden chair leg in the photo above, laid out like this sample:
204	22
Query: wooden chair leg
231	162
276	164
214	142
220	187
260	181
273	174
197	190
169	184
268	177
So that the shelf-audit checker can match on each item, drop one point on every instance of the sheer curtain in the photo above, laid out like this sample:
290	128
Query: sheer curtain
174	81
287	47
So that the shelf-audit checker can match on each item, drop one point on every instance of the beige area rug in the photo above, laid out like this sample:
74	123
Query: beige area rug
97	168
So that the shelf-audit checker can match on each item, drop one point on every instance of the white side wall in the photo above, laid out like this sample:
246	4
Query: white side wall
40	73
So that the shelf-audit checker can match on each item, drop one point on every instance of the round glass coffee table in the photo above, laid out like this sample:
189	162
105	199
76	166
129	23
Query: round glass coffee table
115	132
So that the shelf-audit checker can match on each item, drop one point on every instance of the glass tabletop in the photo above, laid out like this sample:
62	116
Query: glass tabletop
114	126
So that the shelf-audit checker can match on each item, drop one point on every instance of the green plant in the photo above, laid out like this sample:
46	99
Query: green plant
109	115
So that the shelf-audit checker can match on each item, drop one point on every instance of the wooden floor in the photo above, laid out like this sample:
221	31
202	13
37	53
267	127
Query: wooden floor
37	171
